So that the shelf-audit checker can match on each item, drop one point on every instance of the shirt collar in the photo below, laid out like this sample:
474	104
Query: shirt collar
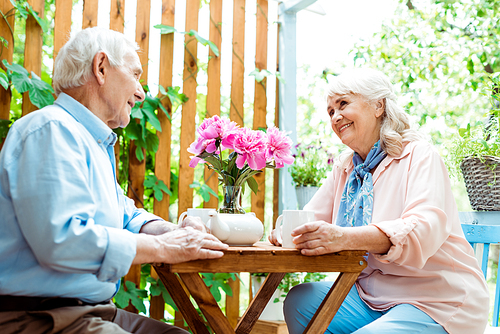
97	128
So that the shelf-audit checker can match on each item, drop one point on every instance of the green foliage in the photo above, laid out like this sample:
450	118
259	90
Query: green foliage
131	295
311	165
158	186
39	91
24	9
261	74
437	53
480	139
203	189
217	282
164	29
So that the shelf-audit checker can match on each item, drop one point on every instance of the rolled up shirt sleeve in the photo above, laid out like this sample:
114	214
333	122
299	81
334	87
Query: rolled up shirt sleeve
424	225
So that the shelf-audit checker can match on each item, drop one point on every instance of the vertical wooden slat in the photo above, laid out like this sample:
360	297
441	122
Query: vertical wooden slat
137	169
188	123
188	119
116	22
89	13
62	24
162	167
260	99
117	15
33	49
276	172
237	78
213	93
7	54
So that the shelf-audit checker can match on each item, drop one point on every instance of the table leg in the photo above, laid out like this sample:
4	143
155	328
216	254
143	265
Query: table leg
206	302
258	304
183	303
331	304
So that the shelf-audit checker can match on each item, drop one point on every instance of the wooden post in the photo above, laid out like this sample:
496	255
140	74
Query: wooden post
137	169
236	112
62	24
6	31
116	22
188	120
276	172
213	93
90	13
33	49
162	167
117	15
260	100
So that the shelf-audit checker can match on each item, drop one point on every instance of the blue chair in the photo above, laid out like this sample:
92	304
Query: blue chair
485	234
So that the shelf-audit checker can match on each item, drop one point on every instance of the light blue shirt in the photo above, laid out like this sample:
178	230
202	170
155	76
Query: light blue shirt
66	229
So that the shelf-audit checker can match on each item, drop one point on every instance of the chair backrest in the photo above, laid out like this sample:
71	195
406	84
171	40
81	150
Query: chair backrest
486	235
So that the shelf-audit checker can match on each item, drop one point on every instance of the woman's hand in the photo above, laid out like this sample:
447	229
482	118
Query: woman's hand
318	238
273	237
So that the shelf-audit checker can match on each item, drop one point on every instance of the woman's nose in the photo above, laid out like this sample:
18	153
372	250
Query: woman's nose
337	117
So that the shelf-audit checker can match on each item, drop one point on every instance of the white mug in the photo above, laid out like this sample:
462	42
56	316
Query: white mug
196	212
291	219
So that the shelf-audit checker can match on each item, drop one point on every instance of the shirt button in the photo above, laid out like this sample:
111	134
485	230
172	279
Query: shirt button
99	141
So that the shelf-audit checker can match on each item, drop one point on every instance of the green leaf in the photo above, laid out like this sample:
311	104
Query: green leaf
152	142
204	41
4	80
158	186
164	29
133	295
152	118
470	66
41	92
4	42
280	78
254	186
44	24
212	160
260	74
21	82
20	9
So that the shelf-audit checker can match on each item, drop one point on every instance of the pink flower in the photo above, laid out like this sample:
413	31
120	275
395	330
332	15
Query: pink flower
251	148
218	128
199	146
279	145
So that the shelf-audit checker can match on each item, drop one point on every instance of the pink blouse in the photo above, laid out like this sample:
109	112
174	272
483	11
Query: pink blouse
430	263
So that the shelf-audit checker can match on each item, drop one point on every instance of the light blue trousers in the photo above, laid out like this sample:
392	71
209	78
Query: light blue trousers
354	316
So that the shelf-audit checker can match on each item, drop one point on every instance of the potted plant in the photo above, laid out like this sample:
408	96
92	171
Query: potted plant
310	167
274	309
475	156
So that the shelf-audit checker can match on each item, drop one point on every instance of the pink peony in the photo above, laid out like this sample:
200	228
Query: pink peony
279	145
251	148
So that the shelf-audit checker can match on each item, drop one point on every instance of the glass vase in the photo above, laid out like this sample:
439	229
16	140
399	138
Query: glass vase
232	200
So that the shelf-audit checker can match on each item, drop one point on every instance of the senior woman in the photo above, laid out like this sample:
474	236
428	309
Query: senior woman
391	197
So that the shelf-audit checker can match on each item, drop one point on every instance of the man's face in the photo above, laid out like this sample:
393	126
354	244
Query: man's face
121	90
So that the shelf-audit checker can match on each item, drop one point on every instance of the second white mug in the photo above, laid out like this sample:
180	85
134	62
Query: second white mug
291	219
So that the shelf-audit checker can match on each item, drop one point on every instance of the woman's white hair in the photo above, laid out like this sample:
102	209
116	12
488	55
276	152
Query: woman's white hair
73	65
373	85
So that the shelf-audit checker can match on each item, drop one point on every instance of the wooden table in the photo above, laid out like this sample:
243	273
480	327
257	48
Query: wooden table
260	258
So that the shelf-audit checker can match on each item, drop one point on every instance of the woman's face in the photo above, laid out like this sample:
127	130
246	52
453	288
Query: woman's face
356	121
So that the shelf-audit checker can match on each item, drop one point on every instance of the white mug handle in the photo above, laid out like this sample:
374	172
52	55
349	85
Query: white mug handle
279	229
181	217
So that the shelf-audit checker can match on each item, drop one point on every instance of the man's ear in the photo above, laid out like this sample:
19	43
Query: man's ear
100	66
379	107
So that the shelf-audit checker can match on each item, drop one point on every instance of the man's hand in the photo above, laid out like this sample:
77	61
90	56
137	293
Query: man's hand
180	245
194	222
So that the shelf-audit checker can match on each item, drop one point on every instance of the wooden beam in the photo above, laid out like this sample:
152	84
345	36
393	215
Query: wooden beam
62	24
33	49
260	100
236	112
6	31
188	121
117	15
90	13
213	89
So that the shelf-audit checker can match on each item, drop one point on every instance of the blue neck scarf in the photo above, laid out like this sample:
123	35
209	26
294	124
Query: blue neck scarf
356	204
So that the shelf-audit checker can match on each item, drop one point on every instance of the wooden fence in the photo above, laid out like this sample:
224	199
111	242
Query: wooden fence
62	27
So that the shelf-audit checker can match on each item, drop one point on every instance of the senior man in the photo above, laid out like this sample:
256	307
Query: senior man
68	232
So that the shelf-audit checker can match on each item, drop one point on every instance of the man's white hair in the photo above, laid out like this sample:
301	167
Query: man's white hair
73	65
